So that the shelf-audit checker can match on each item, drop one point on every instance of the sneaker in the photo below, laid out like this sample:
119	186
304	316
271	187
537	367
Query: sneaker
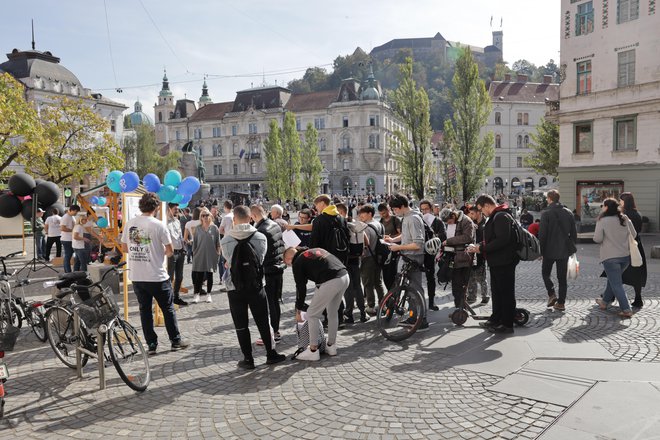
552	299
471	299
275	358
180	344
208	298
500	329
331	350
434	307
278	337
423	326
601	304
309	355
349	319
637	304
626	315
485	300
196	298
364	317
152	348
560	307
246	364
487	324
180	302
371	311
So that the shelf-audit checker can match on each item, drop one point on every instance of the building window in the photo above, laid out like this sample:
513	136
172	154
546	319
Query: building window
498	141
253	168
346	165
201	150
374	121
298	123
498	162
583	137
178	135
525	118
217	170
520	141
235	169
346	141
252	128
498	118
160	116
526	141
624	134
319	123
627	10
216	132
113	125
626	68
345	122
234	130
519	162
584	77
374	141
197	133
322	144
584	19
234	149
519	118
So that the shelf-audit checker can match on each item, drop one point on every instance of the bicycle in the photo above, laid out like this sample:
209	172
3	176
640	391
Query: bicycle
401	311
8	331
125	350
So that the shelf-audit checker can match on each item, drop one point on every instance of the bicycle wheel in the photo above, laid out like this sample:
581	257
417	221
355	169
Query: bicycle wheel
400	313
38	323
10	314
59	325
128	355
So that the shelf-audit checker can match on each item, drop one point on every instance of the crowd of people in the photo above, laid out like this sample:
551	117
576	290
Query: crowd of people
337	251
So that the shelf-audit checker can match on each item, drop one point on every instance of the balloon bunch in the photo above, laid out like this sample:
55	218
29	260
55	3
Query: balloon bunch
174	188
19	200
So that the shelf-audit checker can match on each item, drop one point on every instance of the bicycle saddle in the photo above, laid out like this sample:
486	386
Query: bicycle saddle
73	276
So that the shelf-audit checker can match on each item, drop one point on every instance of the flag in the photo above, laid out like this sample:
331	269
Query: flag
491	21
501	20
240	155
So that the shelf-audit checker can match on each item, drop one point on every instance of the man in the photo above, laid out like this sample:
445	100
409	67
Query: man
276	212
462	235
557	236
184	218
305	235
478	277
411	243
147	241
66	227
331	279
354	294
175	262
499	249
438	229
240	301
273	265
371	272
39	233
392	226
526	218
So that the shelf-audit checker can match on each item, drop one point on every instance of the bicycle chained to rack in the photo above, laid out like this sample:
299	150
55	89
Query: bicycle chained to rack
83	325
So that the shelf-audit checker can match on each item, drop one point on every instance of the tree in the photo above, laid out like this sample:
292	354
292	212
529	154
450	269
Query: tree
79	142
291	157
142	149
311	164
472	106
21	133
524	67
413	152
545	145
274	163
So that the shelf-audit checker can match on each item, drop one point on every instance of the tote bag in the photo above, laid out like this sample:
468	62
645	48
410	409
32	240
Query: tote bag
635	255
573	267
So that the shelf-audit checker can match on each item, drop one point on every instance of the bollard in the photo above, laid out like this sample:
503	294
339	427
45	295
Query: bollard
655	252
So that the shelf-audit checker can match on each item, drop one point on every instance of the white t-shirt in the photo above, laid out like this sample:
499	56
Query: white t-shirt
146	237
78	244
53	223
227	223
69	222
189	227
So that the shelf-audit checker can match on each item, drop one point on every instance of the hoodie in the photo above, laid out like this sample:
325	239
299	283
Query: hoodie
322	231
241	232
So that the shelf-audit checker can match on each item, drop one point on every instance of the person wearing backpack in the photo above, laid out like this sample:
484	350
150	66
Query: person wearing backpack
371	271
499	249
244	249
557	236
354	295
392	226
433	228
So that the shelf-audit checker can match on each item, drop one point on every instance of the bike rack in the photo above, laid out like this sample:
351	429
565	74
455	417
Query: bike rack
99	351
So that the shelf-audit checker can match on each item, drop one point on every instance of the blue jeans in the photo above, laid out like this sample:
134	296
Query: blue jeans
82	258
68	253
161	291
614	267
41	245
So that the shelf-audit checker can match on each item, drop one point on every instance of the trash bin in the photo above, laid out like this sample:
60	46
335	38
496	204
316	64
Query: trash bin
98	270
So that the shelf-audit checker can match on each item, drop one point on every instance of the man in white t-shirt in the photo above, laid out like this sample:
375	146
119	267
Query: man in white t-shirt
146	241
66	226
226	224
53	233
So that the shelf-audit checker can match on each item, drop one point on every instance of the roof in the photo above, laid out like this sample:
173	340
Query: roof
510	91
311	101
212	111
437	137
402	43
260	98
34	63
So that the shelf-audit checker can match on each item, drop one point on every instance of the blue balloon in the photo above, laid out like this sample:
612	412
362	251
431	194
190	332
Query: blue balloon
113	180
183	205
151	182
129	181
177	198
102	222
172	177
166	193
94	200
189	185
186	199
101	201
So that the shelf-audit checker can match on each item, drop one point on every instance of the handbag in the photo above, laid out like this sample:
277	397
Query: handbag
573	267
635	255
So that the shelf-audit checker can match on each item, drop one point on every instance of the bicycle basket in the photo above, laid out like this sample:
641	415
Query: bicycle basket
8	337
99	309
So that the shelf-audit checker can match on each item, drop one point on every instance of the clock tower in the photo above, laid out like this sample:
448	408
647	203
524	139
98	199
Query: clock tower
163	112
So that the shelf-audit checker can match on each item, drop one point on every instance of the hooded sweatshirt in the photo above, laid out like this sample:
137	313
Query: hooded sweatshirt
229	242
322	230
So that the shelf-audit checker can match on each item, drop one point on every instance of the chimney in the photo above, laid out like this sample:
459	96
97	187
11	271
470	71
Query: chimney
547	79
522	78
507	77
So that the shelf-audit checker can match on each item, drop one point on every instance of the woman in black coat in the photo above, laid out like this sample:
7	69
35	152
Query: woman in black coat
634	276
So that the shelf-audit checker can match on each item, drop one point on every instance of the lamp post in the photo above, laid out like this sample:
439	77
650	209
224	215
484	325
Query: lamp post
486	186
355	185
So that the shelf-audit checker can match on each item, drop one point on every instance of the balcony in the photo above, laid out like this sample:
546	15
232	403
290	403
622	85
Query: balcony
251	156
345	151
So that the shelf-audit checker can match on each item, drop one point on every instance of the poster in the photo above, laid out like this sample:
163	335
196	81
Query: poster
590	196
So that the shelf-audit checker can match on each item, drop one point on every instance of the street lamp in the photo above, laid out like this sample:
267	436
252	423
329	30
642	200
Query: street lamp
486	185
355	185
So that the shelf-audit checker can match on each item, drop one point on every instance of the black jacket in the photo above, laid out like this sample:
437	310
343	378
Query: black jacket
557	228
322	233
438	229
273	261
499	244
317	265
479	233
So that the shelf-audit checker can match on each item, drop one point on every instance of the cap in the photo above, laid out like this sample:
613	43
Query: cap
40	210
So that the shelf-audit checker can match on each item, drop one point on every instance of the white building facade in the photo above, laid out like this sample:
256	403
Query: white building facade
609	110
518	106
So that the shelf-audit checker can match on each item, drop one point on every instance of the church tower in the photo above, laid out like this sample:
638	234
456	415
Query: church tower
163	111
205	98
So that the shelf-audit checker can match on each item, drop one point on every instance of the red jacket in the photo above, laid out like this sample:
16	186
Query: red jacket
534	229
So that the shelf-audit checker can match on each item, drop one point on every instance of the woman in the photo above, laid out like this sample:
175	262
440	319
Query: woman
634	276
206	249
80	243
188	232
612	232
463	235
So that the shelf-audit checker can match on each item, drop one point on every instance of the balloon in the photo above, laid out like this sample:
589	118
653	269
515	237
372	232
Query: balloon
172	177
176	199
21	184
129	181
94	200
183	205
56	206
101	201
10	206
27	210
189	185
186	198
151	182
166	193
47	193
102	222
113	180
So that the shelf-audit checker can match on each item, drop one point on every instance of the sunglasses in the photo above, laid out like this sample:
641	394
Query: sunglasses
206	215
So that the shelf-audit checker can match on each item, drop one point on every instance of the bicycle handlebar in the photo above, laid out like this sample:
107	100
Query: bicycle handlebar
2	260
412	262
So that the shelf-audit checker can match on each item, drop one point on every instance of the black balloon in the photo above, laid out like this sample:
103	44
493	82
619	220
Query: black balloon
21	184
58	206
38	181
27	209
10	206
47	193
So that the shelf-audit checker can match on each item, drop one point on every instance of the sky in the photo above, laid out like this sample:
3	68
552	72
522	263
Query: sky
126	44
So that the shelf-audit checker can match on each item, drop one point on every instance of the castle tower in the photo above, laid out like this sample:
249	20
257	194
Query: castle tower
205	98
497	40
163	111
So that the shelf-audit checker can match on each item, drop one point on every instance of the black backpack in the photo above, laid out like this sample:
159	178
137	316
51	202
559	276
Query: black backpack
527	246
247	272
381	253
428	232
339	241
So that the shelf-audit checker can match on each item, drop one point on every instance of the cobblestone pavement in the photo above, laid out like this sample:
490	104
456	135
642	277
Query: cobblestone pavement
372	389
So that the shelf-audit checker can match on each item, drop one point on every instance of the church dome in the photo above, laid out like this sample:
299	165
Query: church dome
370	93
37	66
138	117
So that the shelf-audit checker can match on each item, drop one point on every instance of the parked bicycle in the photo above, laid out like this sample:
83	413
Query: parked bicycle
401	312
97	308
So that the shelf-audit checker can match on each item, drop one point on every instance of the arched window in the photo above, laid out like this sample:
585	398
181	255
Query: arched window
520	141
346	141
498	118
219	149
498	141
235	169
321	144
371	185
160	116
526	141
